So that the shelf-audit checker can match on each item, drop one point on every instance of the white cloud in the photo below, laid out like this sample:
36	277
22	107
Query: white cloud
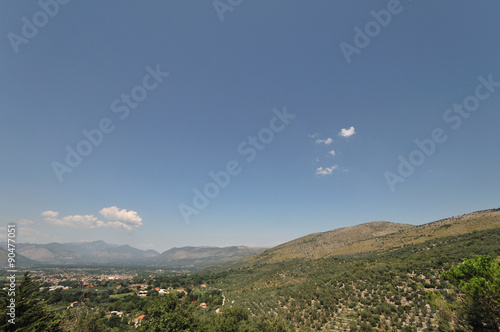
25	222
347	132
331	152
129	218
120	219
327	141
326	170
78	221
313	135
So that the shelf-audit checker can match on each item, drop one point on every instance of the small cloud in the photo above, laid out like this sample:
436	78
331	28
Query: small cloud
121	218
326	170
3	229
327	141
313	135
331	152
347	132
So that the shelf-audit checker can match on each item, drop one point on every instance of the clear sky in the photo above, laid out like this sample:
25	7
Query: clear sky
114	114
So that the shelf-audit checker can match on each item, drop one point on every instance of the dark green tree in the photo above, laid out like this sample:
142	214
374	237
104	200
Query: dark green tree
31	312
478	282
272	324
164	313
87	321
114	321
229	320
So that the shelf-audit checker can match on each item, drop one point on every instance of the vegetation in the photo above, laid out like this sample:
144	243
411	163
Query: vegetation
31	313
376	291
449	282
375	237
477	307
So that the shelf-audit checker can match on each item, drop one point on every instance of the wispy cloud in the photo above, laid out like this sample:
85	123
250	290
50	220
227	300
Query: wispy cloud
331	152
313	135
326	170
327	141
347	132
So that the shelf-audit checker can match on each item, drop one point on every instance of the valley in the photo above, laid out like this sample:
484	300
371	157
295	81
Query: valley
378	276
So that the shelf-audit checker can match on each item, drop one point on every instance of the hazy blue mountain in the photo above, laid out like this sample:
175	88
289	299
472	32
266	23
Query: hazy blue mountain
100	252
83	253
21	261
199	257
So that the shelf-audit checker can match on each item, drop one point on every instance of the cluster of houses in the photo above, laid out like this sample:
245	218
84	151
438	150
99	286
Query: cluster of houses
142	291
161	291
53	288
141	286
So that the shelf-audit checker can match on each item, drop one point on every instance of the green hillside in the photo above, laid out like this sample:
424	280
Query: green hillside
373	276
379	291
374	237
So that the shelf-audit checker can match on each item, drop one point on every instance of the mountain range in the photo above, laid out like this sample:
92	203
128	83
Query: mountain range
100	252
369	237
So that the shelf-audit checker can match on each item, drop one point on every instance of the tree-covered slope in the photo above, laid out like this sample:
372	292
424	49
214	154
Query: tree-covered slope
373	237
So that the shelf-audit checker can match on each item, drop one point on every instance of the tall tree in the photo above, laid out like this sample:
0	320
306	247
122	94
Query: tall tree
478	281
164	313
31	313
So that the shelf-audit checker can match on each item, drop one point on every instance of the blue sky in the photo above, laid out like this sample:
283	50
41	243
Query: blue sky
227	80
